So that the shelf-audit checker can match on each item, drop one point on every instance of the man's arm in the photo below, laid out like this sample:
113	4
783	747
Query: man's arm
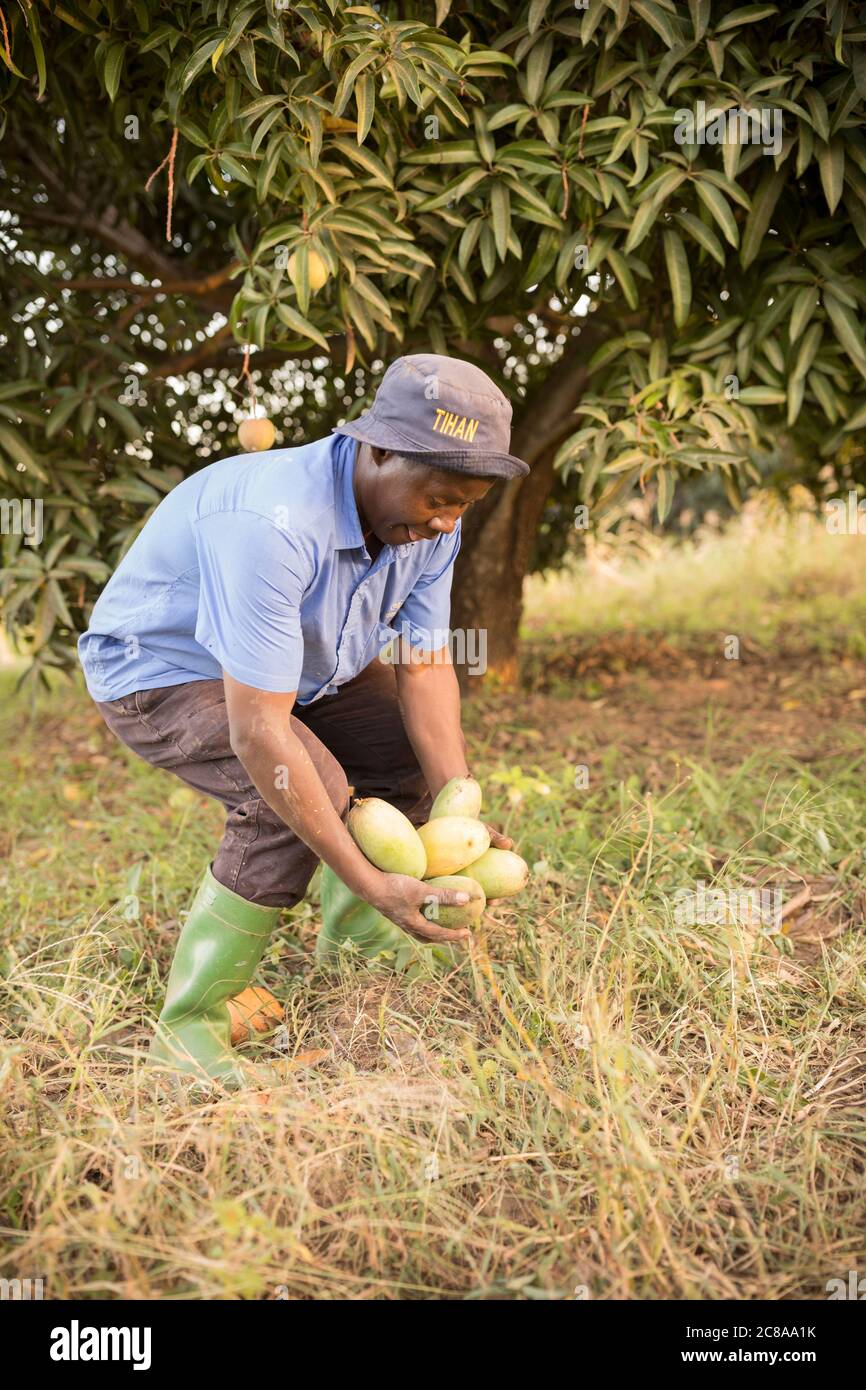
261	735
429	699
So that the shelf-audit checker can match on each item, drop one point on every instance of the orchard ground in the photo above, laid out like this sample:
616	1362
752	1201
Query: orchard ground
607	1101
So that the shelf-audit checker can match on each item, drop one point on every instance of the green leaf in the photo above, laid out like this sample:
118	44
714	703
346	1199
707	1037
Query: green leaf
857	421
621	269
130	490
679	276
500	212
818	111
826	396
132	427
451	152
846	326
615	346
61	413
831	162
805	304
197	61
729	187
702	235
808	348
640	227
38	51
347	81
359	154
292	319
749	14
247	50
537	65
700	13
113	69
761	395
666	486
858	68
758	220
796	396
718	206
656	18
365	102
12	444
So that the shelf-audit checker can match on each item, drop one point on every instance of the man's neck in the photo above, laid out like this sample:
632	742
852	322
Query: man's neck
373	544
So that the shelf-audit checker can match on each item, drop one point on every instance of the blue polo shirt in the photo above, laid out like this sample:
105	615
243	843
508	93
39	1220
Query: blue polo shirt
256	565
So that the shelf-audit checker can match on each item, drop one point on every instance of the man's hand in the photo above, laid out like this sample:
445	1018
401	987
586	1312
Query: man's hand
497	839
399	897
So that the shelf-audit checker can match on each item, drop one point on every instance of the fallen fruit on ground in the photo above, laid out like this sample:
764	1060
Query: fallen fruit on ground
452	842
467	915
254	435
254	1010
459	797
387	837
500	872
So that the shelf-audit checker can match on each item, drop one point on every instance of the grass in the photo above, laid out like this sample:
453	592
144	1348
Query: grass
605	1102
765	574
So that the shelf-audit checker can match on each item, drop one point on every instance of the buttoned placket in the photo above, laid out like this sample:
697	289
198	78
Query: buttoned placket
387	555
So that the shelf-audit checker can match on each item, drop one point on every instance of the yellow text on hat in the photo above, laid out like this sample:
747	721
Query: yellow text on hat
456	426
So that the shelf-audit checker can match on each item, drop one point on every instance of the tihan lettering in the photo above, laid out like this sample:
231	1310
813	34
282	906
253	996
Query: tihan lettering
455	426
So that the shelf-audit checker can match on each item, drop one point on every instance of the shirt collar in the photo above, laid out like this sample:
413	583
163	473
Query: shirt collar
349	535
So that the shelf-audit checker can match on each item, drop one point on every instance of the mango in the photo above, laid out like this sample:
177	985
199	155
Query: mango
317	270
500	872
452	842
387	837
459	797
254	435
455	916
253	1010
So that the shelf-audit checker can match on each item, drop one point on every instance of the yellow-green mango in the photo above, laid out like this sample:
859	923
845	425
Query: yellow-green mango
452	842
387	837
459	797
469	915
500	872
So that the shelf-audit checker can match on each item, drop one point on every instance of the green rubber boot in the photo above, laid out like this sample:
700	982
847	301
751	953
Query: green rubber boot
220	946
347	918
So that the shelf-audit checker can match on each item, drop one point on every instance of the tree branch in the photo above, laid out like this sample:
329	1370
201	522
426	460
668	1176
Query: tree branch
199	285
222	351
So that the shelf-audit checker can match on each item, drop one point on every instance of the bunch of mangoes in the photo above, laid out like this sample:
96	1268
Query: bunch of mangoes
451	851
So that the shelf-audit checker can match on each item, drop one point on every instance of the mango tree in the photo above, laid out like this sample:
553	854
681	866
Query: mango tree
645	219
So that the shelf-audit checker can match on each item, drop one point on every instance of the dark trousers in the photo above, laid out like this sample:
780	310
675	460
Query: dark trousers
355	738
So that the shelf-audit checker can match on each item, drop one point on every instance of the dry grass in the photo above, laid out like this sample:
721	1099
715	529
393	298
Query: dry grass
605	1101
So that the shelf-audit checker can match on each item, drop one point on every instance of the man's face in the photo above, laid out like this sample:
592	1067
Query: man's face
404	501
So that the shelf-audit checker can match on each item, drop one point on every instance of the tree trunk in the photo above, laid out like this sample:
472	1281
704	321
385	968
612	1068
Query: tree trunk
498	533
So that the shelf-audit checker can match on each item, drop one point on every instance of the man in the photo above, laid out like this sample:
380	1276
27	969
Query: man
236	645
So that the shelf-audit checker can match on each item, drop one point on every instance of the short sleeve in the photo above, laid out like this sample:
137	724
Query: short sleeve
425	616
251	583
